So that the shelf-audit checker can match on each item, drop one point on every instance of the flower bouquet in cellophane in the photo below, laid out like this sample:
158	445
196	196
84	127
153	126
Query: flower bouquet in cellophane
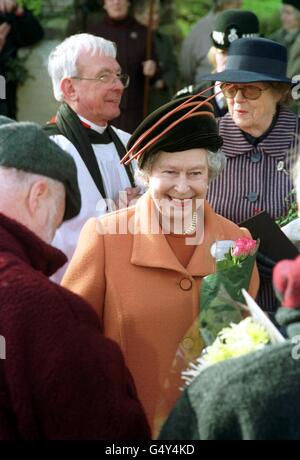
221	290
237	339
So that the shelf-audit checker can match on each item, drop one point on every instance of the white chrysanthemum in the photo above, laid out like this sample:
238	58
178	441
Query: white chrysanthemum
232	342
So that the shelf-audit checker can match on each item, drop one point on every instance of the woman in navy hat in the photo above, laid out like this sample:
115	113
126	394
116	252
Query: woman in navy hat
141	267
260	137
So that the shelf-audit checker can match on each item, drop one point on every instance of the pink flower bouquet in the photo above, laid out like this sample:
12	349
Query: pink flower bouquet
221	290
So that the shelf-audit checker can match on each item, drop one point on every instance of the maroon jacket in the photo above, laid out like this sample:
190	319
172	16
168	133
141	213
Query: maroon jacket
61	379
131	40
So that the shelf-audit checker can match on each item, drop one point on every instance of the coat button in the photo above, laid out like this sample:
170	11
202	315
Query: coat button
252	197
185	284
255	157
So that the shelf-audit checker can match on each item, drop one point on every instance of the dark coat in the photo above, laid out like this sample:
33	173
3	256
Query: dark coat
169	72
61	378
254	397
25	31
130	38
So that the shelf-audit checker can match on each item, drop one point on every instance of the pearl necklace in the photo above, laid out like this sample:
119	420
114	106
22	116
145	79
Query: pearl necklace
192	227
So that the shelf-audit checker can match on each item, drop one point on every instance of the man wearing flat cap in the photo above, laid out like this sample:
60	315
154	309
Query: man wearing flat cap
59	377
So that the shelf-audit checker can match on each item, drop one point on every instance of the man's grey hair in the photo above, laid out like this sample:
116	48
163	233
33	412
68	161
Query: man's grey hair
215	160
63	59
19	180
12	179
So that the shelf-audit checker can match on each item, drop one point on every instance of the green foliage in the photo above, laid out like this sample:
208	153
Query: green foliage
268	13
34	5
292	213
190	11
16	70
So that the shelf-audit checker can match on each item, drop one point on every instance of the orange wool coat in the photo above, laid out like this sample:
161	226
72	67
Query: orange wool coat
146	299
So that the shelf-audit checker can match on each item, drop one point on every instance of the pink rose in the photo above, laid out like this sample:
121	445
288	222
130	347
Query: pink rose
243	247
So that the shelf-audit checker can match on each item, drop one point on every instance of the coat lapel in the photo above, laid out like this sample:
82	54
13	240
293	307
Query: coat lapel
151	249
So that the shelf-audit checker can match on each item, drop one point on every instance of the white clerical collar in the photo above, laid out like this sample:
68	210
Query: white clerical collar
99	129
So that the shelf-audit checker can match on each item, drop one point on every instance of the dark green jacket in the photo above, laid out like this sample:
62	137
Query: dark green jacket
165	52
256	396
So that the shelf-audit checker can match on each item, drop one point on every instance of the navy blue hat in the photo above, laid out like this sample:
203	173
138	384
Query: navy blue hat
25	146
252	60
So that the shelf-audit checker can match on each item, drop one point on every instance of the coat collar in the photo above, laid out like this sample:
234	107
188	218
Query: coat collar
23	243
151	249
283	133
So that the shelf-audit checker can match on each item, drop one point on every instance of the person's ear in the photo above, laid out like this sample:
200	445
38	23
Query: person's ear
68	89
37	195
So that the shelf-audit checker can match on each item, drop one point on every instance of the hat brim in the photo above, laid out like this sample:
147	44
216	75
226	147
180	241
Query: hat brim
245	76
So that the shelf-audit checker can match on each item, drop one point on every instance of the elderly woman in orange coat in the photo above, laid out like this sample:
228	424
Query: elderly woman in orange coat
141	268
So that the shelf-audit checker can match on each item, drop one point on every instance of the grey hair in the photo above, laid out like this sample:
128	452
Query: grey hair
216	162
63	59
20	179
17	180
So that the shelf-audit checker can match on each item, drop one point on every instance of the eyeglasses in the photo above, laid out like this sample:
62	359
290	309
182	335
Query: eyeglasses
248	91
108	79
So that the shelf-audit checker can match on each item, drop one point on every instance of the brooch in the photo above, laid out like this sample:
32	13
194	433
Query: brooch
280	167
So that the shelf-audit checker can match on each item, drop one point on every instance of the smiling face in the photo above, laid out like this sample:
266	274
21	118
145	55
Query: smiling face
97	101
178	183
254	116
